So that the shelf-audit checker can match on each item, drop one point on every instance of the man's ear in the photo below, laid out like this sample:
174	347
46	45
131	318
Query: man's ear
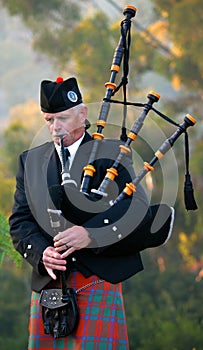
83	114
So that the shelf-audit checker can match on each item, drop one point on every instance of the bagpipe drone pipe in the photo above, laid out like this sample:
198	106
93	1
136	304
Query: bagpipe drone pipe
95	200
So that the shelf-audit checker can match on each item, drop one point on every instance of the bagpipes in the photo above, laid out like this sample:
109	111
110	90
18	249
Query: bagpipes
91	198
68	189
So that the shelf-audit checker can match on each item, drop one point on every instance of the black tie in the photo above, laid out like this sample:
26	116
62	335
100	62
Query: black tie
67	154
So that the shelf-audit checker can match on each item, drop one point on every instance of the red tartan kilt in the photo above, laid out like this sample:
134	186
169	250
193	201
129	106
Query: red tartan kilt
102	323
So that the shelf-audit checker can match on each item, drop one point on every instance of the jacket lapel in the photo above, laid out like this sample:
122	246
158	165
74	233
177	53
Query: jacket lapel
53	168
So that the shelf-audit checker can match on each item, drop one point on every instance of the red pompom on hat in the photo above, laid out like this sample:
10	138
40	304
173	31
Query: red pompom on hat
59	80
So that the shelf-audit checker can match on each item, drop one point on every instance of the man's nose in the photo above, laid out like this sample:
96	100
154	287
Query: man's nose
56	124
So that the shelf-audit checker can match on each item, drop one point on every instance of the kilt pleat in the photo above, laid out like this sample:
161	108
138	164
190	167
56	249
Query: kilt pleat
102	324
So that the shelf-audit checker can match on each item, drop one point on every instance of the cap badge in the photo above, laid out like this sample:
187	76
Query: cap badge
72	96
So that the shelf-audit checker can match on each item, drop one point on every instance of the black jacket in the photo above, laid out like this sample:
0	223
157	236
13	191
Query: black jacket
30	224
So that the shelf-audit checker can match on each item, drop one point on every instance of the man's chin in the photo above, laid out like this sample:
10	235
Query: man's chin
66	140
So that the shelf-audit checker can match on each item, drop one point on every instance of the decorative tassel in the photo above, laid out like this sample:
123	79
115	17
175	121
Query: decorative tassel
190	203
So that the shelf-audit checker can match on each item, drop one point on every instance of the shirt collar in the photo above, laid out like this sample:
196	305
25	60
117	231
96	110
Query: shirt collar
72	149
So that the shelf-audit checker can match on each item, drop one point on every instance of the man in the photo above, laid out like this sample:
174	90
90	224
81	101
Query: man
96	250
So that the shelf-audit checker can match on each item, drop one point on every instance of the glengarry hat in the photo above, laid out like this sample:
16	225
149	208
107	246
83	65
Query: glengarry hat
57	96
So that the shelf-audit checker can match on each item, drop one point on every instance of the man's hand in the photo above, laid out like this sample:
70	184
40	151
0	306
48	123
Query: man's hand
72	239
52	260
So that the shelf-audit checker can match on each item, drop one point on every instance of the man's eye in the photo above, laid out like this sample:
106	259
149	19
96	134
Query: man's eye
62	119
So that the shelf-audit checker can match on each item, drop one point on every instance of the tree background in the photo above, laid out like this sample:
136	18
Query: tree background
41	40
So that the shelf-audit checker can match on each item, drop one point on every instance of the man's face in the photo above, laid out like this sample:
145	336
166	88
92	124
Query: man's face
68	124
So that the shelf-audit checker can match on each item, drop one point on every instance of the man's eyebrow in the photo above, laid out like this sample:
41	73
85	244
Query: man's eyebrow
63	115
50	116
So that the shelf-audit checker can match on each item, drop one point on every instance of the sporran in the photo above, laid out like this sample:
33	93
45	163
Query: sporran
59	318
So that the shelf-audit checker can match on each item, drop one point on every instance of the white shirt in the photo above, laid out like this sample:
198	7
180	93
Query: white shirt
72	149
